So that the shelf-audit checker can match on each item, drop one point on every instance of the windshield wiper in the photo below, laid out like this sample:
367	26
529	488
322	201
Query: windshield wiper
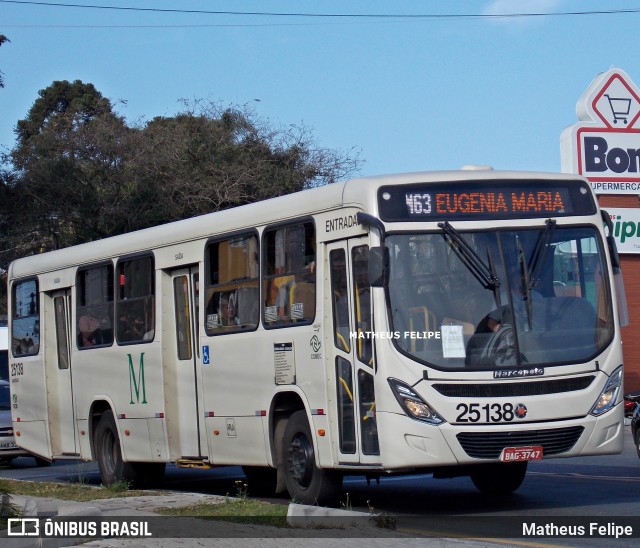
539	254
525	282
483	273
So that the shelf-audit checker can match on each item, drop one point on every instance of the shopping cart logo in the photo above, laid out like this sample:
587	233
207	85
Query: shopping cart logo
620	107
604	145
617	104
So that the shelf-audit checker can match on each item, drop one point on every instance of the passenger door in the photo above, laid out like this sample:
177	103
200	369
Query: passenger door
59	374
182	365
350	351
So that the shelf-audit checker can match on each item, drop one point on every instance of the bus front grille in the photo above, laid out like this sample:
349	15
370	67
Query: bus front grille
489	445
507	389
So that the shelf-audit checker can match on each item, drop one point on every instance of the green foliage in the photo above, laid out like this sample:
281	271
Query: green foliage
79	172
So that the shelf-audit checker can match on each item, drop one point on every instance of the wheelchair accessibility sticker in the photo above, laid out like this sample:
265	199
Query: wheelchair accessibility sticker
205	355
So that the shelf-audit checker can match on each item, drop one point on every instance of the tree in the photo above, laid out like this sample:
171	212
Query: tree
66	165
209	158
78	172
3	39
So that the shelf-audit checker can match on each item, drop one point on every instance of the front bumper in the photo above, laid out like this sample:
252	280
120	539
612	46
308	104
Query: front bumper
407	443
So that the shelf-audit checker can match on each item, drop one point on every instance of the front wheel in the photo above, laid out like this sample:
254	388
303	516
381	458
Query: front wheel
306	483
499	478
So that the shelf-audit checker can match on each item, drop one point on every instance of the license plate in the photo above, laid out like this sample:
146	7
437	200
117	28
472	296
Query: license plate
516	454
7	445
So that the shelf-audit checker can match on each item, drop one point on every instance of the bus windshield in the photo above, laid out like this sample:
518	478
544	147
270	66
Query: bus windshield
512	299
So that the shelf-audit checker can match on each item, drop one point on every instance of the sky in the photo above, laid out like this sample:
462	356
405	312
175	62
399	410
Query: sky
405	93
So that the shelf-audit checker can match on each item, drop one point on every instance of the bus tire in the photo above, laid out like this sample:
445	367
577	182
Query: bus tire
109	454
306	483
499	478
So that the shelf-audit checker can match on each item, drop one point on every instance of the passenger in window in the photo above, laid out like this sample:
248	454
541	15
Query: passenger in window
228	310
133	328
87	331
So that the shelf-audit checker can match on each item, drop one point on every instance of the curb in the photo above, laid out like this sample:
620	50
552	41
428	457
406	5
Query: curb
318	517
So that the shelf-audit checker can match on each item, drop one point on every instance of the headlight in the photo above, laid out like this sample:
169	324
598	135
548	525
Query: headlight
609	395
412	404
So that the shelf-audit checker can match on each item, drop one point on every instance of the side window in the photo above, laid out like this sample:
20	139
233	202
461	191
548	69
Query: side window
94	306
25	320
233	291
340	300
183	317
135	304
289	275
362	303
62	333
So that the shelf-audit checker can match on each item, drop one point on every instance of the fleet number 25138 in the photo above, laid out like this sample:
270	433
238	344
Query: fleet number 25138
488	412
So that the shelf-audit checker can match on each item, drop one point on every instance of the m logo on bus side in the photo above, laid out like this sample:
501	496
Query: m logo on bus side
136	382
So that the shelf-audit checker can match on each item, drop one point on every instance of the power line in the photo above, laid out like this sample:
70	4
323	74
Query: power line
396	16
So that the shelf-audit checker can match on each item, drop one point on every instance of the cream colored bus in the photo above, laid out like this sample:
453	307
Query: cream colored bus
453	323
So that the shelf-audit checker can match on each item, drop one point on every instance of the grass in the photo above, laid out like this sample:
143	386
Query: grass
69	491
237	510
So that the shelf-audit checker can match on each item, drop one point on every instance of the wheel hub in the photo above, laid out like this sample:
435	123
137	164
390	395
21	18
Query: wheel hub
301	459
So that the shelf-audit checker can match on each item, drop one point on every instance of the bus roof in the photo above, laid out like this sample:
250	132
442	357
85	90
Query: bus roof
279	209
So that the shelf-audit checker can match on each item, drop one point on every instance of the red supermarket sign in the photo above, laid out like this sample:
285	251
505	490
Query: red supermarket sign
604	146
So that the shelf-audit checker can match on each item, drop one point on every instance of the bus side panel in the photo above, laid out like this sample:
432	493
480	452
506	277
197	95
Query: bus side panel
237	385
84	439
158	440
129	380
29	405
136	440
237	440
33	436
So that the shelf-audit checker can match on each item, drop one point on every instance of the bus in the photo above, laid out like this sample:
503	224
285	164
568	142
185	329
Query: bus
455	323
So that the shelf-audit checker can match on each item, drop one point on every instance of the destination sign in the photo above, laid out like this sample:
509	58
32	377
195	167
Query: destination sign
485	200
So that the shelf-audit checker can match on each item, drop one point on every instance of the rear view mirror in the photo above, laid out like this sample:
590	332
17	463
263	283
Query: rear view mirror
379	266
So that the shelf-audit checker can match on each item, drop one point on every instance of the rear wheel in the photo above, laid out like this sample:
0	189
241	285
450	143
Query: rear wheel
306	483
107	445
499	478
636	439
